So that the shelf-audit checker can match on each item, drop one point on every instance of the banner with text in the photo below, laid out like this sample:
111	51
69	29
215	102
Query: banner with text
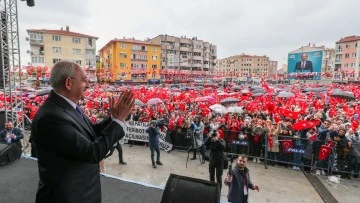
136	131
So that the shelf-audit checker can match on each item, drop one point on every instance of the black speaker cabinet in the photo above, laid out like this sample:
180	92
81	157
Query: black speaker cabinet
181	189
9	153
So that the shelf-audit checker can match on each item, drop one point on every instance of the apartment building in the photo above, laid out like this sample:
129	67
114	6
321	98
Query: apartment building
183	57
347	56
48	47
131	61
245	66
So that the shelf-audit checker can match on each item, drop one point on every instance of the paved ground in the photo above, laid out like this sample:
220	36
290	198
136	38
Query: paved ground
276	184
346	191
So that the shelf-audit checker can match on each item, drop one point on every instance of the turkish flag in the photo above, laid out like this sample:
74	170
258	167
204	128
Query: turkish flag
286	144
270	141
324	152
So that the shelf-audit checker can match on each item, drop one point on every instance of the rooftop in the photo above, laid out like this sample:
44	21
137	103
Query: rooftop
131	41
66	32
349	39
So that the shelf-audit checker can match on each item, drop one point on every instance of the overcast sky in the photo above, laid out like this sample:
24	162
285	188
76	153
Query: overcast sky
257	27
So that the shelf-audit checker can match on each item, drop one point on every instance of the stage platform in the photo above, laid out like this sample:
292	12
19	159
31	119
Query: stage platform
19	182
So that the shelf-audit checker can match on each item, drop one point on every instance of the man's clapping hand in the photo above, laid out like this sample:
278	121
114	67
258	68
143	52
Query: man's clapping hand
121	108
228	179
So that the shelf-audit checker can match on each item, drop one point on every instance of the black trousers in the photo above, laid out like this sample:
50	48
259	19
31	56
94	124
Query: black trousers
119	149
153	149
217	166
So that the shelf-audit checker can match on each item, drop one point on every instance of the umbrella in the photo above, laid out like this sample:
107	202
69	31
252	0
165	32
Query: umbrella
43	92
314	89
285	94
343	94
138	102
154	101
259	94
209	98
229	100
236	87
258	91
217	108
201	99
245	91
235	109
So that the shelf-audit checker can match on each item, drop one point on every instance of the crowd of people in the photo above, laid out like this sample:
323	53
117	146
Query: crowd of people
268	127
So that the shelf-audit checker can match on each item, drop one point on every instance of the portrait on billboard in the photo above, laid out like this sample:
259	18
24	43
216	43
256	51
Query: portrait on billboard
304	65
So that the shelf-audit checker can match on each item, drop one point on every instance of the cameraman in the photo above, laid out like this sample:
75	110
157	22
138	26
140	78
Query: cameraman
154	133
216	158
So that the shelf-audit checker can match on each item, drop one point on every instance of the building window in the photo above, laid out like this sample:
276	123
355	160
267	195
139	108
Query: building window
78	62
77	51
90	62
36	36
123	46
123	55
56	60
37	59
153	66
154	49
347	45
347	55
56	49
123	65
353	54
154	58
56	38
76	40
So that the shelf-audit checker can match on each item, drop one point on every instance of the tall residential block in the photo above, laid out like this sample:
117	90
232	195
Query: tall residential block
246	66
185	57
48	47
131	61
347	56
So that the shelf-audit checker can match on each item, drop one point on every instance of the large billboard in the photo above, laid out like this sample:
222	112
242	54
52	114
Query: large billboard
305	65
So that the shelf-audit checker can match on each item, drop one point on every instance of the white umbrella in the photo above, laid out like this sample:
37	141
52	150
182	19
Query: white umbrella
285	94
218	108
235	109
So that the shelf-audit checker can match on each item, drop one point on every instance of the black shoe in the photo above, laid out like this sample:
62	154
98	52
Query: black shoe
159	163
122	162
193	158
153	165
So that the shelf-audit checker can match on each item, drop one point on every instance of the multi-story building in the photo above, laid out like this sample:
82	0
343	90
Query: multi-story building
324	66
184	57
347	56
130	60
246	66
48	47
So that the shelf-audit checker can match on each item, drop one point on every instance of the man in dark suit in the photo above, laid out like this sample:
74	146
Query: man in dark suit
11	135
68	145
304	65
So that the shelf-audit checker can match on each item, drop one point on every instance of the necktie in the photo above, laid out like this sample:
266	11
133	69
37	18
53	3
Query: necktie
79	111
303	65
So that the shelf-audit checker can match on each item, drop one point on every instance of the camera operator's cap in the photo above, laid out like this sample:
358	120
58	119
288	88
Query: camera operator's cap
347	124
153	122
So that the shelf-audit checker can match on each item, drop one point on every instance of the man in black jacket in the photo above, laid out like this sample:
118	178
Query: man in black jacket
68	145
216	159
11	135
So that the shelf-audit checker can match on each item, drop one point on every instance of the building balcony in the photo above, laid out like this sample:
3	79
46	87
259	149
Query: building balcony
197	50
91	57
200	58
36	42
185	41
338	60
187	49
197	65
36	53
143	60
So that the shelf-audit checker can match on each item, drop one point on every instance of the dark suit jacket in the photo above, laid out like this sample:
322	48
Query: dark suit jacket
17	132
69	150
308	67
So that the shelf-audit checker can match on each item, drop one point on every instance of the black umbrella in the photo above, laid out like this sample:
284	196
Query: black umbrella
343	95
229	100
43	92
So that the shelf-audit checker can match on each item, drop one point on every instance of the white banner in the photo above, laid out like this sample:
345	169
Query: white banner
136	131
